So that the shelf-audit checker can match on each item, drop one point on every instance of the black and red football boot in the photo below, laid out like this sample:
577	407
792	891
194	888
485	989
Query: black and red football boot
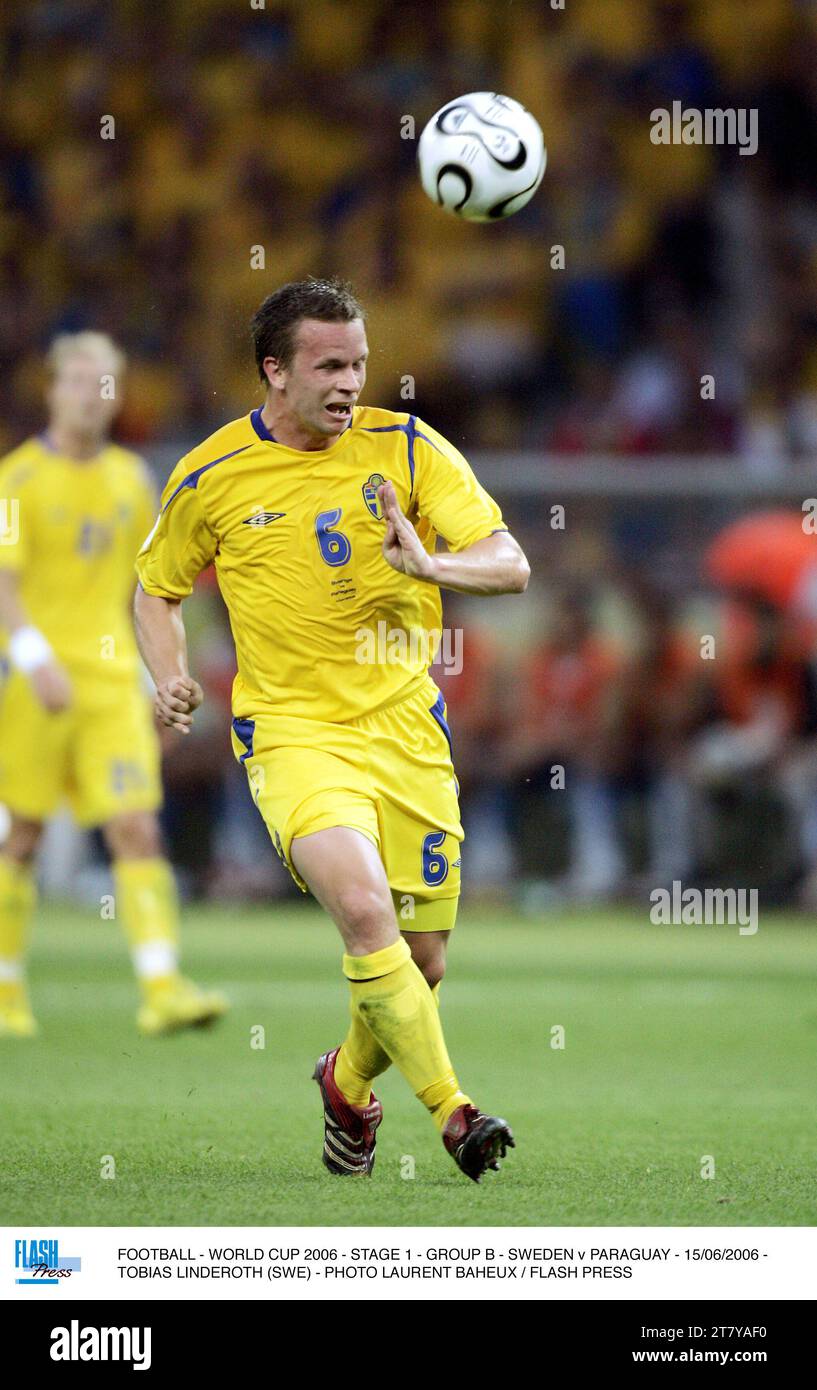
349	1130
476	1141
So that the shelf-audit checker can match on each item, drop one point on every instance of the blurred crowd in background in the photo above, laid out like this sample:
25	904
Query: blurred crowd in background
239	127
611	734
599	748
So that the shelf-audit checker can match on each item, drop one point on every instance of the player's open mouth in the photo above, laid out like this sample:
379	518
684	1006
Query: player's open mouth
340	409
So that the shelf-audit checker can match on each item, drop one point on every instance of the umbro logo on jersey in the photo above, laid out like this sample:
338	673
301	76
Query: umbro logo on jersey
261	518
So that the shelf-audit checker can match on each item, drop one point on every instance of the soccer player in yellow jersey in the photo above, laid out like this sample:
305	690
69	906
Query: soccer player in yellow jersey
322	518
75	719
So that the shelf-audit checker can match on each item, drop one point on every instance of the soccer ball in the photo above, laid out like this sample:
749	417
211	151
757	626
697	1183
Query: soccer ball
482	157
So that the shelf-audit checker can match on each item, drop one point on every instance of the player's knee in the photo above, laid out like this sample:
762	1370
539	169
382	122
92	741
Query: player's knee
428	950
434	970
431	965
133	836
364	917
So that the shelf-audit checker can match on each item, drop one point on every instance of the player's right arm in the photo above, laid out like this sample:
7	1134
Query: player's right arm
29	650
178	548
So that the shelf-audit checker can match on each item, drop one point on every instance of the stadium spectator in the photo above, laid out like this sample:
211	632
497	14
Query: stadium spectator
560	744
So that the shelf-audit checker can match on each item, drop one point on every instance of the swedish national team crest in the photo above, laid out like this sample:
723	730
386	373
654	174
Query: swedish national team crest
370	496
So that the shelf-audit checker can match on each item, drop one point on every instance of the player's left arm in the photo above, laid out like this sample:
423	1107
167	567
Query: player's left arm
482	556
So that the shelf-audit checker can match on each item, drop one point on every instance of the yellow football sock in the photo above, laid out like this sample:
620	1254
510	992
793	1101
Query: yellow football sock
18	895
393	1000
361	1059
147	906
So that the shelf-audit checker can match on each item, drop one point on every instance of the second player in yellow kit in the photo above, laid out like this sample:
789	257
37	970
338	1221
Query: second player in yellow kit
76	721
81	526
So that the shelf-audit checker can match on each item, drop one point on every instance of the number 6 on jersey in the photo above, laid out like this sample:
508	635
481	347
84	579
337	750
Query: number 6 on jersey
334	546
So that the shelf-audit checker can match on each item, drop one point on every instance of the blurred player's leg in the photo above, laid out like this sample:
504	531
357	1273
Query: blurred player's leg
33	771
147	904
18	895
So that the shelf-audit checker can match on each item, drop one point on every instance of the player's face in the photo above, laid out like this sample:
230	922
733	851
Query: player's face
327	374
79	396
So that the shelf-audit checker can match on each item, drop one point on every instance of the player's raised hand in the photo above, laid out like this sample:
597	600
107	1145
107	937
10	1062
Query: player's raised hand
176	698
402	546
52	687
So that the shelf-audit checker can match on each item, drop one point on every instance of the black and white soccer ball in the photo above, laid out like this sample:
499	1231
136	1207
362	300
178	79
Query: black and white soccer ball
482	157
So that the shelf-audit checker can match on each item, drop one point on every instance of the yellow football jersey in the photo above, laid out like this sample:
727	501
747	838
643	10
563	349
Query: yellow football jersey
323	626
71	530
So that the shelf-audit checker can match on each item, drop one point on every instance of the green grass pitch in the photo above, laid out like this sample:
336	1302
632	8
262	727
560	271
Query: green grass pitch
680	1042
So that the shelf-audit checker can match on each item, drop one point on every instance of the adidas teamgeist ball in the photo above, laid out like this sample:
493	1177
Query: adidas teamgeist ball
482	156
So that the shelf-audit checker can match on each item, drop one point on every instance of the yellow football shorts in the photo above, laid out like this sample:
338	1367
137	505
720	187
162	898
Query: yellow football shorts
388	775
101	755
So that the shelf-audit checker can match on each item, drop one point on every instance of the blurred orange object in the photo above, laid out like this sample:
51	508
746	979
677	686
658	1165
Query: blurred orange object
767	555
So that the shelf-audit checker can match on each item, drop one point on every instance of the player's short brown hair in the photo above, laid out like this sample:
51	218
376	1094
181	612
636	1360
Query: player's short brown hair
275	321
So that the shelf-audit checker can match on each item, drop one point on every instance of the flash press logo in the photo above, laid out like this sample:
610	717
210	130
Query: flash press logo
39	1262
75	1343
